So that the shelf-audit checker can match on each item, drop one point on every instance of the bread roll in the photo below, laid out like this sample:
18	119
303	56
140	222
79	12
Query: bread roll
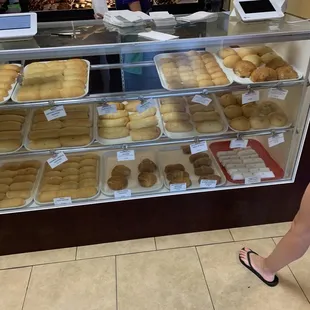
200	108
7	79
65	165
231	61
52	125
233	111
244	68
14	118
12	203
7	174
175	116
69	171
276	63
21	112
143	123
87	175
109	123
116	115
286	73
9	145
205	83
172	108
68	178
221	81
4	188
277	119
25	194
145	134
240	123
49	187
179	126
139	116
225	52
30	164
6	180
227	100
44	144
268	57
113	133
205	116
262	50
5	85
75	140
69	185
75	84
74	131
88	183
10	166
49	94
74	122
209	126
259	122
10	126
47	196
131	106
41	134
88	162
27	171
72	92
250	109
263	74
218	74
10	67
85	169
244	51
24	178
18	186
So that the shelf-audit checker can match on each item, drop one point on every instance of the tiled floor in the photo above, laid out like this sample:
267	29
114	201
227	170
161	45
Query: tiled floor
198	271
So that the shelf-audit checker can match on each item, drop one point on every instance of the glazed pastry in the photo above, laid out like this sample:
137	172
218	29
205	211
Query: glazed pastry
121	170
181	180
147	165
197	156
186	149
210	177
203	170
244	68
264	74
228	99
202	162
177	174
259	122
233	111
277	119
286	73
231	61
240	123
147	179
175	167
117	183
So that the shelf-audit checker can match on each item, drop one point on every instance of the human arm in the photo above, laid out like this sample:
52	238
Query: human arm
135	6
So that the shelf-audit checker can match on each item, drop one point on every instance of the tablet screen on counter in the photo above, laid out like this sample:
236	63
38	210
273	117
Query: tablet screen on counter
257	6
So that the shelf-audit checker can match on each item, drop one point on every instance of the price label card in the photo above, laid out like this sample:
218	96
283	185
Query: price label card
277	93
178	187
252	180
202	100
199	147
276	140
145	105
106	109
250	97
208	183
55	112
125	193
126	155
238	144
64	201
57	159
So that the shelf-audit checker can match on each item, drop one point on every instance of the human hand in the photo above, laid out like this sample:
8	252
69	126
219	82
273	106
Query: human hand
97	15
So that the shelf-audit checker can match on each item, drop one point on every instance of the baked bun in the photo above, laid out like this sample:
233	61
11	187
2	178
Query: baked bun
264	74
121	170
203	170
233	111
147	165
267	107
276	63
197	156
231	61
225	52
117	183
240	123
175	167
209	126
227	100
245	51
268	57
277	119
254	59
250	109
244	68
262	50
259	122
177	174
286	73
221	81
147	179
202	162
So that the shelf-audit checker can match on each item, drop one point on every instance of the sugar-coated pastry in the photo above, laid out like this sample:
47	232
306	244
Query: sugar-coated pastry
143	134
117	183
264	74
209	126
225	52
240	123
244	68
231	61
277	119
147	179
113	133
259	122
286	73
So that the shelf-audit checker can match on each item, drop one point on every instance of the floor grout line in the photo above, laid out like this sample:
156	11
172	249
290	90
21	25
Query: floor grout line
116	290
155	243
26	292
231	235
205	278
76	250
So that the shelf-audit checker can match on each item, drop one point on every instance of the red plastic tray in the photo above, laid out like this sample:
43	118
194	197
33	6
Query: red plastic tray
256	146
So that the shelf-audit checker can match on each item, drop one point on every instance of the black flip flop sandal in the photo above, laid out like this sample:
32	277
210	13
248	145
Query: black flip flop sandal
271	284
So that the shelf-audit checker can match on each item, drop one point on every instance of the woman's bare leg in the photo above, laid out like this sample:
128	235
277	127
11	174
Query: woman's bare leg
292	246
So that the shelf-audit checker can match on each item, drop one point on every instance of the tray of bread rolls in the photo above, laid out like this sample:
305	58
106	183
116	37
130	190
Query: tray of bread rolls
77	178
53	80
8	80
127	125
254	116
141	175
183	118
18	181
238	164
191	70
177	165
75	129
13	125
257	64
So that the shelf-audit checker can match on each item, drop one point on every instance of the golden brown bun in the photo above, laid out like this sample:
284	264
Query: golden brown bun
41	134
227	100
44	144
12	203
121	170
145	134
109	123
233	111
117	183
262	50
286	73
264	74
75	140
221	81
10	67
52	125
254	59
245	51
147	179
225	52
250	109
268	57
72	92
175	167
73	122
200	108
205	83
139	116
179	126
178	107
277	119
240	123
205	116
244	68
259	122
147	165
175	116
209	126
276	63
113	133
267	107
147	122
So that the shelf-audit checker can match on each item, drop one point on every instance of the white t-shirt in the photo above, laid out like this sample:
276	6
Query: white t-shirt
100	6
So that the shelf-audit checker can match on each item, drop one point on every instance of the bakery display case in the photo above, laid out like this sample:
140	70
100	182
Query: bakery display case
223	107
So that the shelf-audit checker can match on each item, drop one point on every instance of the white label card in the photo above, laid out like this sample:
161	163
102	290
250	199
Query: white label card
64	201
202	100
178	187
208	183
250	96
276	140
126	155
252	180
238	144
106	109
55	112
57	159
199	147
277	93
125	193
145	105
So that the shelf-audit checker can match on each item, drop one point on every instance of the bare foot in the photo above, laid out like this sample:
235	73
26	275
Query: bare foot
257	263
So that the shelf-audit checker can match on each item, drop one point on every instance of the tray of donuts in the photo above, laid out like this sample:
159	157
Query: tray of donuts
183	118
254	116
18	181
178	167
77	178
8	80
53	80
74	129
193	69
127	125
257	64
13	125
141	175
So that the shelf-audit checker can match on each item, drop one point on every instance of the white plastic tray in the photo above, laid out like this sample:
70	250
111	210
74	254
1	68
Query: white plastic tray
7	98
16	90
99	169
110	161
157	59
172	155
126	140
26	140
36	182
246	81
194	132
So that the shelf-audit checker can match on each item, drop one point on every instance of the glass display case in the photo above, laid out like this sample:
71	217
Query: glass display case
224	106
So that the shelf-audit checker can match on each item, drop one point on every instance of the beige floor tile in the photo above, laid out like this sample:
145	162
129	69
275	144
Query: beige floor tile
233	287
13	285
162	280
116	248
301	270
261	231
192	239
79	285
